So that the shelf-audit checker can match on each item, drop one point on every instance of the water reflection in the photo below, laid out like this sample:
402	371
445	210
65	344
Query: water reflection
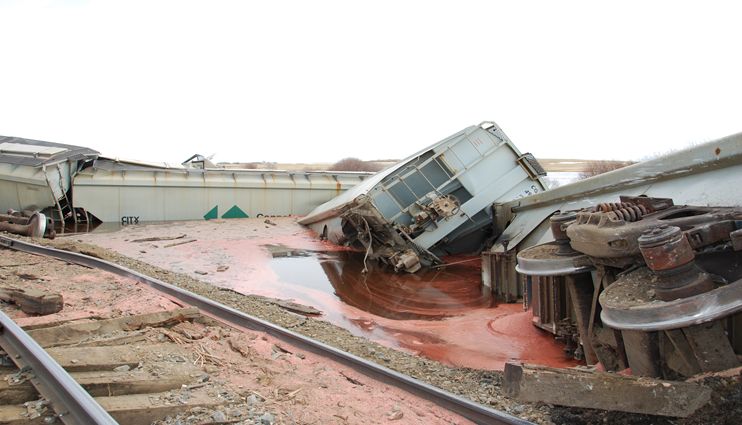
428	295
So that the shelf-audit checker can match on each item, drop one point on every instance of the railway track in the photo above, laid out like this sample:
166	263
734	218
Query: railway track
80	408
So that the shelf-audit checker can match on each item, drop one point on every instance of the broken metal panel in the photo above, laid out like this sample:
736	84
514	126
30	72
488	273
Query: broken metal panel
435	202
35	153
113	190
685	176
34	174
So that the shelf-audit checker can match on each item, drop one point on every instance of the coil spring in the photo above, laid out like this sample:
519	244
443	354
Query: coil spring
625	210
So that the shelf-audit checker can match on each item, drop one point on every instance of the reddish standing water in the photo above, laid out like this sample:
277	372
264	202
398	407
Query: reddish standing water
441	314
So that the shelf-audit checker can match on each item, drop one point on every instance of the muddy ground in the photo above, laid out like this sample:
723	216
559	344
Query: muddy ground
251	377
481	386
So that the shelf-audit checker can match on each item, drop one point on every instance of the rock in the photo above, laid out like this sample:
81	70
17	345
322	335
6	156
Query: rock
253	400
201	272
222	268
395	415
123	368
267	419
298	308
219	416
190	330
239	345
418	412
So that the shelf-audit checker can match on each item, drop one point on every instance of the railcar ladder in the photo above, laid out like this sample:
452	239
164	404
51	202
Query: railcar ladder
63	208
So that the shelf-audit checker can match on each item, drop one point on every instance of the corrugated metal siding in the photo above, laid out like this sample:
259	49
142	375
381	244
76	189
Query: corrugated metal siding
184	194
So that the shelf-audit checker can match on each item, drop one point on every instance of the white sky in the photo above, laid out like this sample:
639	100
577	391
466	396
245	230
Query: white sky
313	81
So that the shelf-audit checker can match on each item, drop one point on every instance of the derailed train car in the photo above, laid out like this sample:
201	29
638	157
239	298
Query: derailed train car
436	202
644	267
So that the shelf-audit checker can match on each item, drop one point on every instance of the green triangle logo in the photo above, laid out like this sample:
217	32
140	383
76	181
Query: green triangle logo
214	213
235	212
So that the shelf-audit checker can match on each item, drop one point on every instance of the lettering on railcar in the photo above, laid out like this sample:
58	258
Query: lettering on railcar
129	220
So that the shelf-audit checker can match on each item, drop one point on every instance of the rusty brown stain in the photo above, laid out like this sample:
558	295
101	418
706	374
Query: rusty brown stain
717	151
338	187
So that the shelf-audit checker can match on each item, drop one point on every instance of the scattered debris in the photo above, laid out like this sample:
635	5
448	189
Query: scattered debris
159	238
190	330
33	301
239	345
36	409
298	308
395	415
287	305
74	333
179	243
607	391
351	380
19	264
277	348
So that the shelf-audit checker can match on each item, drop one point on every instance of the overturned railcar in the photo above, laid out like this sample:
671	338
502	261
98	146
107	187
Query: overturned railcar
37	176
640	268
132	192
434	203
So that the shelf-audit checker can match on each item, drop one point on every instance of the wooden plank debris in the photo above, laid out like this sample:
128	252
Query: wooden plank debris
107	358
170	245
160	238
73	333
600	390
103	383
132	409
32	301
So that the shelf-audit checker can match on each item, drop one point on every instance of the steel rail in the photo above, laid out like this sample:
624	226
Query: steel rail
73	405
473	411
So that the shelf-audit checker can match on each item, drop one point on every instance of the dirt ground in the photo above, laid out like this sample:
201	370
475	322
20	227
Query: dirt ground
483	386
441	314
267	381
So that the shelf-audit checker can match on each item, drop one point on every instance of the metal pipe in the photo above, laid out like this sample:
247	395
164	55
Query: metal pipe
14	219
35	227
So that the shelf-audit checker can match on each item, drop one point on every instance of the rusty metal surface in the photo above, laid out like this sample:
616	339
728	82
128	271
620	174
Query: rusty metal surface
656	269
706	175
546	260
659	315
610	235
34	226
